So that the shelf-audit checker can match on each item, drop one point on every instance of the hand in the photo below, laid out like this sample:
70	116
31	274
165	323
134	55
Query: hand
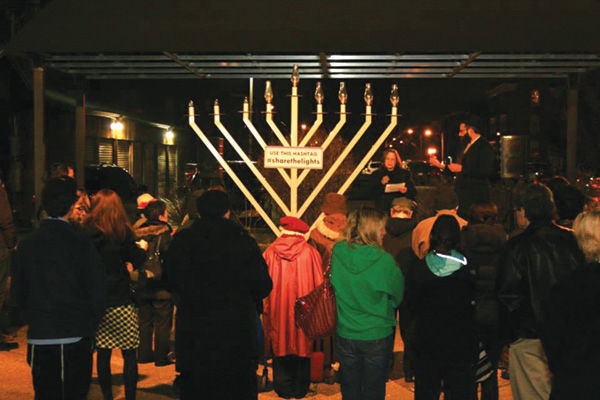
142	244
454	167
403	189
434	162
129	267
385	180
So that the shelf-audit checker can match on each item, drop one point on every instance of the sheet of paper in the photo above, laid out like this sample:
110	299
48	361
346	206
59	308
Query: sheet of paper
394	187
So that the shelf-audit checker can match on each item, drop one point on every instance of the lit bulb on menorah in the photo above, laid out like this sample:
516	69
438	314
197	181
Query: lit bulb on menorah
287	158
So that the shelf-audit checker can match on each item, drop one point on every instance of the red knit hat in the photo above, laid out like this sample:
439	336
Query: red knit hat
293	224
334	203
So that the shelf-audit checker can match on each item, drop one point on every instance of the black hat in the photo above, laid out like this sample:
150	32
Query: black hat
213	203
58	195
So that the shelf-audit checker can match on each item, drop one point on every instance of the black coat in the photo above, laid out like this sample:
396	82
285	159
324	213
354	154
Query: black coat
114	255
383	200
443	310
482	245
397	242
58	282
472	183
530	265
217	275
571	328
8	236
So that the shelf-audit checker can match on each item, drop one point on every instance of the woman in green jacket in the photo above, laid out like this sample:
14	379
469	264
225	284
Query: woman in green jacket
368	287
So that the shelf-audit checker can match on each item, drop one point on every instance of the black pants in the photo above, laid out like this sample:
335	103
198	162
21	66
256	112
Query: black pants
61	372
457	377
407	332
291	376
130	373
155	317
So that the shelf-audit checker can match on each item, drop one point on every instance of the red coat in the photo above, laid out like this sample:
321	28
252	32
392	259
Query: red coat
295	268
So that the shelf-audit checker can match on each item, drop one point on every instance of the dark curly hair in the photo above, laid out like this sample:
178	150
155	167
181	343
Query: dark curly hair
445	234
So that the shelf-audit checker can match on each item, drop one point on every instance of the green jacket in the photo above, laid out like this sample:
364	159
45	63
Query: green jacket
368	287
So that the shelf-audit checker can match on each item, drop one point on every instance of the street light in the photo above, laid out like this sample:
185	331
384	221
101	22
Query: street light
116	128
116	125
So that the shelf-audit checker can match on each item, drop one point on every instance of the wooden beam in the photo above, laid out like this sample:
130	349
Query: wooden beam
572	97
80	132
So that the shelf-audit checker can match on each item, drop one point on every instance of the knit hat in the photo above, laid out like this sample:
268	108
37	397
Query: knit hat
403	203
143	200
334	203
293	225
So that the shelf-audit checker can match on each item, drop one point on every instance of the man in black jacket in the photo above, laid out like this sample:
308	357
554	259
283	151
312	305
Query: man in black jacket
58	284
532	263
218	279
474	168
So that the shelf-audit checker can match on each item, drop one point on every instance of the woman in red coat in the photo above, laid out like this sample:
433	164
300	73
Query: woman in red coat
295	268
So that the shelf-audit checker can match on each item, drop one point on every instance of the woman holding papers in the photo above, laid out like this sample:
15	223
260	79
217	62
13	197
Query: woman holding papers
392	181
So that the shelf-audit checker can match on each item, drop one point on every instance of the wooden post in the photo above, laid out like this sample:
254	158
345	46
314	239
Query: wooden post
572	97
80	132
39	150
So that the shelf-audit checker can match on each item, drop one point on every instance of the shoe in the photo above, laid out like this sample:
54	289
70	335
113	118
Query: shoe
7	346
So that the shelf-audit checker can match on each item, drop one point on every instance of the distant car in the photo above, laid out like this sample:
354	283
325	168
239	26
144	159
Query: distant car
110	176
371	167
422	173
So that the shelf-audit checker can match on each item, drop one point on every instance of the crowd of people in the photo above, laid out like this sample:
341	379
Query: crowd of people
461	287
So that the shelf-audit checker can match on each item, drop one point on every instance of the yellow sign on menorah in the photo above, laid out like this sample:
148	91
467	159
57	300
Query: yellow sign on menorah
292	155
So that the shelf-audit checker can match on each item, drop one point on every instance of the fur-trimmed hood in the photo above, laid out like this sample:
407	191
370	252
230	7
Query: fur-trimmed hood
151	230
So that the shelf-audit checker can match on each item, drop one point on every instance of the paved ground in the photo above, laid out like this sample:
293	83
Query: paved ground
155	383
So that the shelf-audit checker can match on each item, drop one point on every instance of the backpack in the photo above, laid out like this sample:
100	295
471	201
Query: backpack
153	261
145	288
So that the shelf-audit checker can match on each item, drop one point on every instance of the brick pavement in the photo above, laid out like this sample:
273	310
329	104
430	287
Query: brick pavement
155	383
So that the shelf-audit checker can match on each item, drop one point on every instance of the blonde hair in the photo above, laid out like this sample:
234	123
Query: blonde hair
587	231
365	227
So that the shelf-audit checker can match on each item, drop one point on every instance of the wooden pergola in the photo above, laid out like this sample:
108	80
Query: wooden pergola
217	39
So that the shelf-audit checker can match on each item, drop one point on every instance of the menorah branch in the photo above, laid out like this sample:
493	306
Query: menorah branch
329	139
227	168
260	140
247	161
338	162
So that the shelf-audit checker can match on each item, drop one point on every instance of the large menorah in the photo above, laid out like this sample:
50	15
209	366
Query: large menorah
292	178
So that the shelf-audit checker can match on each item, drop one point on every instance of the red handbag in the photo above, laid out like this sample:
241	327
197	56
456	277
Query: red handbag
316	313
